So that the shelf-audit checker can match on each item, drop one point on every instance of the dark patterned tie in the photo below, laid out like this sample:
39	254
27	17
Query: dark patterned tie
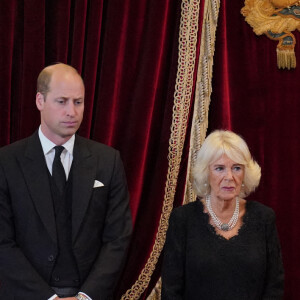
58	172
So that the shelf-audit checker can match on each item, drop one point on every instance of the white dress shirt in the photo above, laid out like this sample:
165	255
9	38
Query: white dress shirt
49	152
66	160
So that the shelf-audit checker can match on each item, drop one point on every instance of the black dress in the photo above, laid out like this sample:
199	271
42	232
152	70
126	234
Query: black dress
200	264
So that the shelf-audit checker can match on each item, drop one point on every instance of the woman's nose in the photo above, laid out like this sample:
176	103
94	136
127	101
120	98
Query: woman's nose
228	174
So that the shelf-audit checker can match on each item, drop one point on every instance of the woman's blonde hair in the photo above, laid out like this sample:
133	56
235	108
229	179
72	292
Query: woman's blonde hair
216	144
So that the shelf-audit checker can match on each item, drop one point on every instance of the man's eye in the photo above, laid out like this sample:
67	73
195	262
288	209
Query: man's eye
60	101
78	102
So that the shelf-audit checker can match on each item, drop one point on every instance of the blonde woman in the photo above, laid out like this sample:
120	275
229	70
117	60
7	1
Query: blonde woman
221	246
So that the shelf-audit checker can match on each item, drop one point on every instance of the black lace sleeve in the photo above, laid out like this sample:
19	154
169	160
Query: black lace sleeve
174	259
274	283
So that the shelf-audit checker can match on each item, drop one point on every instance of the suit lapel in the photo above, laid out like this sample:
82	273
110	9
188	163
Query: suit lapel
84	173
36	175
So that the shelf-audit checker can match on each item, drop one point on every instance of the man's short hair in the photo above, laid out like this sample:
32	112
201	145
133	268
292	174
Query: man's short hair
44	78
43	81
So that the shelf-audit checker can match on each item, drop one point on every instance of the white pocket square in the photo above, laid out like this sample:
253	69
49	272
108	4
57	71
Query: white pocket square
98	184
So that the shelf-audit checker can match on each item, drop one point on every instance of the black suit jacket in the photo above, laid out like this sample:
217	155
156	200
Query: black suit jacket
101	220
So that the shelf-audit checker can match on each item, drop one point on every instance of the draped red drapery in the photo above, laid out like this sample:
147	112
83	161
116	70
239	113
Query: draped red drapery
252	97
126	51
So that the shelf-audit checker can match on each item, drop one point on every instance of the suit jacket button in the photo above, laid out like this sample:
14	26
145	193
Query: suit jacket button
50	258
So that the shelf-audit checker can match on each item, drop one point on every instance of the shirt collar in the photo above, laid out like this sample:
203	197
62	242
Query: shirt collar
47	145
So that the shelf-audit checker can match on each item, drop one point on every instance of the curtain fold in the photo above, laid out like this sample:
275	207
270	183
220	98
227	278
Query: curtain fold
203	89
126	51
6	62
187	52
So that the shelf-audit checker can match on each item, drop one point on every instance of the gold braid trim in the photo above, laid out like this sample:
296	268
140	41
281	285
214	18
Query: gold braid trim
156	292
202	100
203	89
182	97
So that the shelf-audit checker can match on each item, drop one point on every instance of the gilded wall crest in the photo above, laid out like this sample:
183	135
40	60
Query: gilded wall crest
276	19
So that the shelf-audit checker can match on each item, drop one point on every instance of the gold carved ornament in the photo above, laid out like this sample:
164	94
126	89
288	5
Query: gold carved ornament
276	19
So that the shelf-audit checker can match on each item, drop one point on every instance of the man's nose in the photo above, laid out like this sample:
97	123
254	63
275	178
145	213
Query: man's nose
71	109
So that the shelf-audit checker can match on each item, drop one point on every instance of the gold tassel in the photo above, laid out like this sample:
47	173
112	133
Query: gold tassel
286	58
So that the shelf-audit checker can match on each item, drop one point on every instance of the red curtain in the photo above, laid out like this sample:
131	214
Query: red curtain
254	98
126	51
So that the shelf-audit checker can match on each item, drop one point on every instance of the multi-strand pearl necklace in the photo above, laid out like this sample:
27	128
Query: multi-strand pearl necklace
224	226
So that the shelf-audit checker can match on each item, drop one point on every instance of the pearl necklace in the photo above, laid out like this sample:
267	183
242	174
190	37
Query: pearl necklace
224	226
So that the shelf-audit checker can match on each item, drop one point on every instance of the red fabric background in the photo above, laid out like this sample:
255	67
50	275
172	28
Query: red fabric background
126	51
254	98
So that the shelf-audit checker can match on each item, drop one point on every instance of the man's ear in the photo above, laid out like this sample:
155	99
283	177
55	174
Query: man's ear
39	100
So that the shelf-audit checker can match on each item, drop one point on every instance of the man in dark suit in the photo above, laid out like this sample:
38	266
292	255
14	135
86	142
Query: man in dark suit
65	222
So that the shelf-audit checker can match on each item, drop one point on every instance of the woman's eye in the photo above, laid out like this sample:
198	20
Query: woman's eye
237	168
219	168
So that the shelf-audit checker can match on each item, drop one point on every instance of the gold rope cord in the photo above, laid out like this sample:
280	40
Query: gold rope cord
156	292
202	100
182	97
203	89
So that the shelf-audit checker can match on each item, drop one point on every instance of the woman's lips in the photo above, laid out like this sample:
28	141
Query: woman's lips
228	188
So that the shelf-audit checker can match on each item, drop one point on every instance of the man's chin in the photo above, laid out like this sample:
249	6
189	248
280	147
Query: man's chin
68	133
